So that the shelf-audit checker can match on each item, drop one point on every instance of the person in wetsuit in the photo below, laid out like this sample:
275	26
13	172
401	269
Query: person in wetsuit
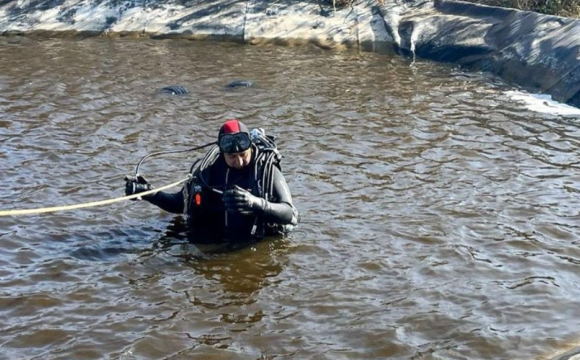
236	193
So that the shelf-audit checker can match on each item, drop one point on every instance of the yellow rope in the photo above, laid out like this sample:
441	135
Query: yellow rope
89	204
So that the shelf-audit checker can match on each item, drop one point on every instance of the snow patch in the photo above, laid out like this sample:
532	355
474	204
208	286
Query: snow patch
543	103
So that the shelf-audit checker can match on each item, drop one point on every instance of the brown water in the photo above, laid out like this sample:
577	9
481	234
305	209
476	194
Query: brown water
439	218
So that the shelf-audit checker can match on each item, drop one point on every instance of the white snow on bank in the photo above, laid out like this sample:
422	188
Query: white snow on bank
248	20
543	103
93	16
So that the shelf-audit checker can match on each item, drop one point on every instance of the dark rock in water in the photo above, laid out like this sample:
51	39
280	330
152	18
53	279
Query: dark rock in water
240	83
175	90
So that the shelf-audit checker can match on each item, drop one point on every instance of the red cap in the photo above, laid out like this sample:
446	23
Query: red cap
234	137
233	126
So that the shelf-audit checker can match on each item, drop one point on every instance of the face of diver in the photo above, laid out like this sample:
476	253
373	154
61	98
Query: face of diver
238	160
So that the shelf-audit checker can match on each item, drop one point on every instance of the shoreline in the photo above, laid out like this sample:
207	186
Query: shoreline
536	52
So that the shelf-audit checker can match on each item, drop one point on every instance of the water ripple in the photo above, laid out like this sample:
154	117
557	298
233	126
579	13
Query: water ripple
439	218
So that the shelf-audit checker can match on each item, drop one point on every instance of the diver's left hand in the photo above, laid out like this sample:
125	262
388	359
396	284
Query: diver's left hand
137	184
240	200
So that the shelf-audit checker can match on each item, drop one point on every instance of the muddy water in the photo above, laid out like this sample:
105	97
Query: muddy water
439	218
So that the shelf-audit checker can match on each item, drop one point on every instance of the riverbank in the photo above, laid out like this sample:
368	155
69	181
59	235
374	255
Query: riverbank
285	22
566	8
536	52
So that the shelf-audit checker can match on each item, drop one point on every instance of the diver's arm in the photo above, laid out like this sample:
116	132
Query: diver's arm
282	211
172	203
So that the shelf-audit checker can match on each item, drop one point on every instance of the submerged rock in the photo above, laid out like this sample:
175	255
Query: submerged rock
175	90
240	83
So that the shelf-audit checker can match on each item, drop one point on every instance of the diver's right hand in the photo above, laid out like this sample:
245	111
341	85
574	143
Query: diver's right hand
136	185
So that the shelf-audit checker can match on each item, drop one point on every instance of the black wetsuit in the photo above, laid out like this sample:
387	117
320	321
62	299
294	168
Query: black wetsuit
201	200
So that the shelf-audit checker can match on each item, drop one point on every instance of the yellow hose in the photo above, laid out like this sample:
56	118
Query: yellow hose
89	204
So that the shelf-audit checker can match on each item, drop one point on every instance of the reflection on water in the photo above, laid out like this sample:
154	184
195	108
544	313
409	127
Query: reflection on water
439	217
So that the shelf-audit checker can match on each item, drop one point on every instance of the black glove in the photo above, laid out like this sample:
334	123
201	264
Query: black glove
240	200
136	184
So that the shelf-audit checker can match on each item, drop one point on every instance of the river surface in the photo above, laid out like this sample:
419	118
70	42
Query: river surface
439	217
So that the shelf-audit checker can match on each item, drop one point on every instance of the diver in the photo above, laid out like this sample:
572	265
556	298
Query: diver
236	191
